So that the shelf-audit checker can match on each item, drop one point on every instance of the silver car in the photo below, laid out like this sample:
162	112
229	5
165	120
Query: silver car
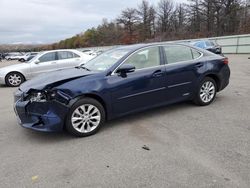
47	61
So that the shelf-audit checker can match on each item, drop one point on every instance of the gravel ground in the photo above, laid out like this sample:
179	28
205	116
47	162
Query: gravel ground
189	146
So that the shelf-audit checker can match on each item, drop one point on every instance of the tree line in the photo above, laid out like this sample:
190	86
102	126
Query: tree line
165	21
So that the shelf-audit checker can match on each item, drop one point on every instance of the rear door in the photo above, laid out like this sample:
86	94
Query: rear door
68	59
46	63
183	67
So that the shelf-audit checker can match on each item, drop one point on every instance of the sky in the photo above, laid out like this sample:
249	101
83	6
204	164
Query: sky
48	21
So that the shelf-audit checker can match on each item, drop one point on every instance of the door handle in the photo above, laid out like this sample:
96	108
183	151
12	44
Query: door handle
53	63
157	73
198	65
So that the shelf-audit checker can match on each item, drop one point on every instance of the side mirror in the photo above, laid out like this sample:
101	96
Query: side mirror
125	68
37	61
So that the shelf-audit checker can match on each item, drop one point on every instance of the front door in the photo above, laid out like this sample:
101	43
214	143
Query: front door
46	63
142	88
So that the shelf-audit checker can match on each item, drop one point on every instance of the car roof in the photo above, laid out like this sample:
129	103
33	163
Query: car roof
135	47
59	50
205	40
142	45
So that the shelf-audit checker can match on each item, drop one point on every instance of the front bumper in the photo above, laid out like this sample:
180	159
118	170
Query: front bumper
41	116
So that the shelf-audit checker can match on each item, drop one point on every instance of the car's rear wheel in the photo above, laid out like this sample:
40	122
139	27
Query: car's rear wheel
85	118
22	60
206	92
14	79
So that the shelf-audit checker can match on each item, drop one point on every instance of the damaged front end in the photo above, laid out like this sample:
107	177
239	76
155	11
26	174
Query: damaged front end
43	110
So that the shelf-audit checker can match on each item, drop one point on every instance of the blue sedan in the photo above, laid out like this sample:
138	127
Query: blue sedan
207	45
118	82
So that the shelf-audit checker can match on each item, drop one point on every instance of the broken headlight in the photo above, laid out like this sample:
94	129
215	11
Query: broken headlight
44	96
37	96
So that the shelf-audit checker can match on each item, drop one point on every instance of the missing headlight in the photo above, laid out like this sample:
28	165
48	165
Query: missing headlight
44	96
37	97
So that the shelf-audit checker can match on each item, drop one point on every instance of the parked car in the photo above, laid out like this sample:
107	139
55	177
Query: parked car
44	62
90	52
13	56
26	56
118	82
97	52
4	55
30	57
208	45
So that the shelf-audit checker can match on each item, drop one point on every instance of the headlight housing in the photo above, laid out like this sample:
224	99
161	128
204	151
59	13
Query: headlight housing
45	96
37	96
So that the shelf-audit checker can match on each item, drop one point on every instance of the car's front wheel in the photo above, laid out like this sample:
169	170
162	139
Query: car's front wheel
14	79
85	118
206	92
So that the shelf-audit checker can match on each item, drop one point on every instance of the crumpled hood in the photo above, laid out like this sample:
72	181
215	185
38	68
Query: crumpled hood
54	78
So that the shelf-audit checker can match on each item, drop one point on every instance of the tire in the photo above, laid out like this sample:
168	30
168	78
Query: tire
22	60
14	79
78	121
206	92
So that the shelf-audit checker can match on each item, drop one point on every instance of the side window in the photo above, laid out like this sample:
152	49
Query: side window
65	55
196	54
75	55
178	53
145	58
51	56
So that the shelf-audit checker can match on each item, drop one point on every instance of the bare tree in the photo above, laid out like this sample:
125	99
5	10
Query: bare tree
129	19
152	18
165	11
167	21
208	7
195	16
178	21
146	14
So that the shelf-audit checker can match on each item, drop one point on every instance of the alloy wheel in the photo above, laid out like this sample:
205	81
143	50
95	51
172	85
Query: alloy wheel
86	118
207	91
15	79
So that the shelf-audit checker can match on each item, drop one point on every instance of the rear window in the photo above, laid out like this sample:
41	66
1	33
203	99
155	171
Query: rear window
176	53
67	55
180	53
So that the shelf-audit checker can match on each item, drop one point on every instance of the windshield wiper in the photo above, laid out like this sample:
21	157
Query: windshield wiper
81	67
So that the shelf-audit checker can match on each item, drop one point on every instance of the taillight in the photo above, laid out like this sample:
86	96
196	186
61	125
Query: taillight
225	61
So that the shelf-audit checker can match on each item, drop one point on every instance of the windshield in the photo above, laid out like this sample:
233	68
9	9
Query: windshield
106	60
